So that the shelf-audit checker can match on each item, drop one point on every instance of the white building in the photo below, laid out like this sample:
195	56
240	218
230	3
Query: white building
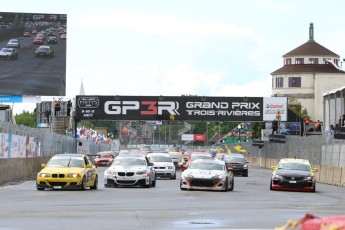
309	71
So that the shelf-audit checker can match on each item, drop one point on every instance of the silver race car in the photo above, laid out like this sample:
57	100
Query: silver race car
207	175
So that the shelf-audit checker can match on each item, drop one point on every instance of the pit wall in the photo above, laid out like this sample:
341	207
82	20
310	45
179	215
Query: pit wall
326	175
20	169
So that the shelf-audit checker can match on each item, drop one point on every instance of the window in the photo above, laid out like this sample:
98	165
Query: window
294	82
288	61
313	61
299	61
324	60
279	82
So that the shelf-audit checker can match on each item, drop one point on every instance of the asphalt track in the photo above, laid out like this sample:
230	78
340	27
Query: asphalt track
28	75
250	206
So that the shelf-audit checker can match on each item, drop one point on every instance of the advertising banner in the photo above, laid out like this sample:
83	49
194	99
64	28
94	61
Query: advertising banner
170	108
193	137
275	108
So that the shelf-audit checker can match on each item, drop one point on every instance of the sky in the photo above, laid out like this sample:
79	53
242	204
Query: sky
193	47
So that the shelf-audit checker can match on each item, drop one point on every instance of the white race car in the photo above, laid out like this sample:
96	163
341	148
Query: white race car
207	175
163	164
130	170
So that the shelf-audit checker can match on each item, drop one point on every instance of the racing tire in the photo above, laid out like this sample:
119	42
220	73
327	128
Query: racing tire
271	185
153	184
226	185
40	189
174	177
148	185
83	184
181	185
232	185
314	188
95	184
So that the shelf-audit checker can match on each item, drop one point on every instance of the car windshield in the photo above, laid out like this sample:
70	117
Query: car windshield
104	155
66	162
129	161
176	157
206	166
294	166
44	49
234	159
6	50
194	157
160	158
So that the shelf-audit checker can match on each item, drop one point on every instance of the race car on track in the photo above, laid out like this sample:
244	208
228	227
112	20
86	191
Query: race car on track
293	174
163	165
8	53
67	171
44	51
13	43
130	170
38	41
207	175
237	162
104	158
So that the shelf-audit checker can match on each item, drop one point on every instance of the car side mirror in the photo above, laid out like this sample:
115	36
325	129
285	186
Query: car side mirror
274	167
247	162
229	169
89	166
43	165
315	169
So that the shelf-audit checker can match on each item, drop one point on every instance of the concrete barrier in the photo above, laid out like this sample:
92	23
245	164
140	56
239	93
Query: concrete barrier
19	169
336	176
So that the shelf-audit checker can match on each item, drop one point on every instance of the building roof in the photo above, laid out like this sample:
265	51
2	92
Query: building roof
307	68
310	48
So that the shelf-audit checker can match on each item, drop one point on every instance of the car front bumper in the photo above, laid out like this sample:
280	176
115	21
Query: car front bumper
58	183
203	184
116	180
304	185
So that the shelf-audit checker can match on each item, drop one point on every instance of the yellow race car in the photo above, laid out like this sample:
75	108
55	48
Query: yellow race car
67	171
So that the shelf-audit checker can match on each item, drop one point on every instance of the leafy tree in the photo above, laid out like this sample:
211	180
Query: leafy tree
27	119
295	106
256	129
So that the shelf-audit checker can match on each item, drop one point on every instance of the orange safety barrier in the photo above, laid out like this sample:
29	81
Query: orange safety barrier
311	222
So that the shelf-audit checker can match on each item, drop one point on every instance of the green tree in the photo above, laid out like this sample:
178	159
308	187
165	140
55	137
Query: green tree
27	119
296	107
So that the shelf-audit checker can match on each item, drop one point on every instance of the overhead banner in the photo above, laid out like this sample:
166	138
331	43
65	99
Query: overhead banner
170	108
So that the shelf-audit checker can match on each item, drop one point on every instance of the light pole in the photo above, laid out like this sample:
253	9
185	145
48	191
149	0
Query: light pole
239	132
219	130
207	123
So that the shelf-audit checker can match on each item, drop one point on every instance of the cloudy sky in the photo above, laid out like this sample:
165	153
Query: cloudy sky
196	47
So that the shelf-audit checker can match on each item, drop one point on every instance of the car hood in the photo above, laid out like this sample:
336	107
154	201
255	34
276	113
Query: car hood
62	170
161	164
4	53
128	167
198	173
296	173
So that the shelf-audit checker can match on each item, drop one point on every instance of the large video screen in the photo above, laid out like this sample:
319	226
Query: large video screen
33	54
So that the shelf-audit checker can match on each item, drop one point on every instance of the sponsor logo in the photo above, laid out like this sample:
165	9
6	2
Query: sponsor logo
223	108
145	107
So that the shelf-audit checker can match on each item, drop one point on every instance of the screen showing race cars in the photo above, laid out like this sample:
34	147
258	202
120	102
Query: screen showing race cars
33	54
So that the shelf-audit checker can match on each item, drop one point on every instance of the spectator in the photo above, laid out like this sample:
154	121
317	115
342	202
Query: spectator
316	126
275	126
57	109
54	106
306	122
69	107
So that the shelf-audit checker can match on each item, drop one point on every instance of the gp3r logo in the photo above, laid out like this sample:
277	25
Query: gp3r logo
145	107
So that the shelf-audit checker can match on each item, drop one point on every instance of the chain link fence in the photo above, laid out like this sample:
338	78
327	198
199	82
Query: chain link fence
318	149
